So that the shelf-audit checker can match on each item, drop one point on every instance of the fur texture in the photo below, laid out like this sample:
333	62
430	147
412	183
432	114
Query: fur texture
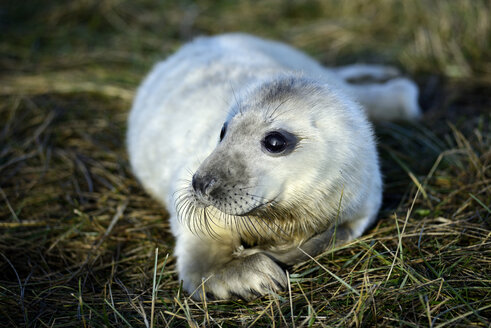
238	210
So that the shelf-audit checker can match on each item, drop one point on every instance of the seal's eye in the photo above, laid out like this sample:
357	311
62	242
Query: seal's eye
224	130
279	142
274	142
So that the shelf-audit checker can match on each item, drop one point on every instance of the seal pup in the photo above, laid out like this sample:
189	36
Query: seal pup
262	156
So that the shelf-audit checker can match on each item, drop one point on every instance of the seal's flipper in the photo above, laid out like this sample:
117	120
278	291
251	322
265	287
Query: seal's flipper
362	72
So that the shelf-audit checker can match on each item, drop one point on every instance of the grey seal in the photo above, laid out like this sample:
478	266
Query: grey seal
262	156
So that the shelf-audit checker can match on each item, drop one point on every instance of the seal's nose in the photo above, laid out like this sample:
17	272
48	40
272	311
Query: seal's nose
203	184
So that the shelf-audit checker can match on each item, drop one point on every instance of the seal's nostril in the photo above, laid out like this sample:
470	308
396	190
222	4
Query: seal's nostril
210	181
204	184
194	183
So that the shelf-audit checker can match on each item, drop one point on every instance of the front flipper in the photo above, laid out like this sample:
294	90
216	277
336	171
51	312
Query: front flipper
246	278
215	267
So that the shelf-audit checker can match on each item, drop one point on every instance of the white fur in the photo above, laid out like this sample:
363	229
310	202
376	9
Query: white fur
174	126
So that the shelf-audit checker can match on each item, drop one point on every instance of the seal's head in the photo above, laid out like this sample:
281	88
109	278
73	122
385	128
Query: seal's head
289	151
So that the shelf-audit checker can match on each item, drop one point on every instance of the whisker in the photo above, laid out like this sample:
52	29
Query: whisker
235	97
282	112
188	214
270	219
250	223
270	115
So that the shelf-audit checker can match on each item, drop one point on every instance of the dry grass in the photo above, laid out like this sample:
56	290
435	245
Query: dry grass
78	236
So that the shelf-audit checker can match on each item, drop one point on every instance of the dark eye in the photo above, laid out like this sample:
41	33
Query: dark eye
279	142
223	131
274	142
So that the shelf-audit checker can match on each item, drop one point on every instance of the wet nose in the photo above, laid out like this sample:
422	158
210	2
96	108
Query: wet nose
203	184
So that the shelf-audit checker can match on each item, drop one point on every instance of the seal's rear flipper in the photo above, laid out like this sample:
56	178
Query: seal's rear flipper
363	72
396	99
384	93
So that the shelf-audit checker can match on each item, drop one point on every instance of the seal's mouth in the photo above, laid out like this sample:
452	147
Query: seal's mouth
251	211
258	208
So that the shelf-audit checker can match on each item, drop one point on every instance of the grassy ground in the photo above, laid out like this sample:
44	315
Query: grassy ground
79	237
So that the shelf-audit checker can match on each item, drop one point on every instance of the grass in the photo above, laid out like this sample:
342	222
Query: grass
79	237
